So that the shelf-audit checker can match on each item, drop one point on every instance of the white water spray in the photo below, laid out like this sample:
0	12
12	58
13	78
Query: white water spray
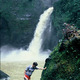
34	50
35	45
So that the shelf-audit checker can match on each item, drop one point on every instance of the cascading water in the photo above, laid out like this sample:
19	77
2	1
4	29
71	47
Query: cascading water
32	53
35	45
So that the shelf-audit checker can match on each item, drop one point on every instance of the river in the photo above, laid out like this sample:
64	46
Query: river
16	69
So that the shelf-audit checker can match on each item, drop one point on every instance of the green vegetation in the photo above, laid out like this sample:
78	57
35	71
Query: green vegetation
66	11
64	61
18	19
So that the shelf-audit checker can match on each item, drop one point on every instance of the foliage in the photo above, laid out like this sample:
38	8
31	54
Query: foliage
19	17
66	11
64	65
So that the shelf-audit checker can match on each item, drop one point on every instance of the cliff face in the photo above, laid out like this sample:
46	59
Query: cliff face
64	61
66	11
18	20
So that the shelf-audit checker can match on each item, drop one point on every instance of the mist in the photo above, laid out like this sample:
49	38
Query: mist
13	54
34	52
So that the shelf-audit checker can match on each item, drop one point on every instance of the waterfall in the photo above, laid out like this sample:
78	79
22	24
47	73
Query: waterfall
34	49
36	43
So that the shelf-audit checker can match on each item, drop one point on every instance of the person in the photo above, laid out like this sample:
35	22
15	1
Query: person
30	69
